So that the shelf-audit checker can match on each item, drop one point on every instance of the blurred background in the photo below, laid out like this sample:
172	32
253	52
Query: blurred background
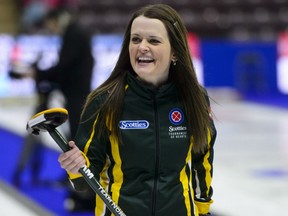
240	53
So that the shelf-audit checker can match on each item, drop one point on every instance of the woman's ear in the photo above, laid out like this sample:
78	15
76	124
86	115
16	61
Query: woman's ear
174	58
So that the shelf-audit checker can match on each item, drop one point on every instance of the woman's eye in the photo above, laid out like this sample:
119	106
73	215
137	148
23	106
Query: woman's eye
154	41
135	39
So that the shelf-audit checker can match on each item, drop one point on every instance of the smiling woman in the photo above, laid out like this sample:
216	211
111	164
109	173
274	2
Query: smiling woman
150	50
146	132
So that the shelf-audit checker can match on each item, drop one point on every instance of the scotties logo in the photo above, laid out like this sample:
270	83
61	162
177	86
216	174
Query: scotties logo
133	124
176	116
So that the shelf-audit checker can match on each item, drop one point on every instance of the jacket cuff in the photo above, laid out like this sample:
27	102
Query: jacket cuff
203	207
78	175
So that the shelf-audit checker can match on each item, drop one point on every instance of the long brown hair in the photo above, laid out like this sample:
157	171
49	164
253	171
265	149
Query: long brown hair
183	74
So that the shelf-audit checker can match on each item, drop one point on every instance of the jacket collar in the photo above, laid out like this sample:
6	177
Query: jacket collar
149	91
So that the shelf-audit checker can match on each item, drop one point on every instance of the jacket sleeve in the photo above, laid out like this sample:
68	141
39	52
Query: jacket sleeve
202	171
93	148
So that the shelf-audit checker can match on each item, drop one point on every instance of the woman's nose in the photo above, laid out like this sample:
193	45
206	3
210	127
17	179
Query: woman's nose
143	46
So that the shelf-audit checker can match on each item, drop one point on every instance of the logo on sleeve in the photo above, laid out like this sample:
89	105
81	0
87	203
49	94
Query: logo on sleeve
176	116
133	124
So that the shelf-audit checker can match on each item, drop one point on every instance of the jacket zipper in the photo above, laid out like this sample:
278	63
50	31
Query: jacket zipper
157	162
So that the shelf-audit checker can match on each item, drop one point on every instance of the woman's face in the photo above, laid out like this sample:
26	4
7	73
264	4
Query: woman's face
150	50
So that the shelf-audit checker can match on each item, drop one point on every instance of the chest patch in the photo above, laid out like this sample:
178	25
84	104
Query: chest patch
177	131
133	124
176	116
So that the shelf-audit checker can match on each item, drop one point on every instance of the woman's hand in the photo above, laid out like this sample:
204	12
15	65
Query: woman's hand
72	160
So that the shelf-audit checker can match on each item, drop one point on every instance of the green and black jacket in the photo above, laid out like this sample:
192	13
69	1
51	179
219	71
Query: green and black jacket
154	172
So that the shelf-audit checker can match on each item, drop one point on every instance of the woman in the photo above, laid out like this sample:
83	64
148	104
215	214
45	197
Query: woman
146	132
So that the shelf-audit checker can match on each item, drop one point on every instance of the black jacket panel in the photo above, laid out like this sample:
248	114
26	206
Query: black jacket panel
150	174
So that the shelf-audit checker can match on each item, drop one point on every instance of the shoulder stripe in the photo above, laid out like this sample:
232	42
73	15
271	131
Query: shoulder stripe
207	165
87	145
187	188
117	171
